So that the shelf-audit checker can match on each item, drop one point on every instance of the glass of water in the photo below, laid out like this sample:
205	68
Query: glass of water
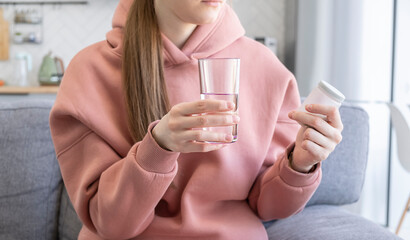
219	79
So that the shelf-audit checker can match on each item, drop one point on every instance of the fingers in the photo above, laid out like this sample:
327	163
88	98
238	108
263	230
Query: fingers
204	106
317	137
313	136
332	113
209	120
202	141
313	121
207	136
315	150
181	129
331	130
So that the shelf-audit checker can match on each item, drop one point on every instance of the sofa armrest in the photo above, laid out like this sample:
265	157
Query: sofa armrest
344	170
30	180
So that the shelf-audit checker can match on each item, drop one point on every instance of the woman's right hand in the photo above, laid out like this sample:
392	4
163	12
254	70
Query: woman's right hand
180	130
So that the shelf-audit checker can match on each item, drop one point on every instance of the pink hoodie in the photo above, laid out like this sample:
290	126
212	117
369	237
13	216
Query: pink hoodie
123	190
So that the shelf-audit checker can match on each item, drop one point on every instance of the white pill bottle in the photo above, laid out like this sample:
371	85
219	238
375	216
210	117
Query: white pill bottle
324	94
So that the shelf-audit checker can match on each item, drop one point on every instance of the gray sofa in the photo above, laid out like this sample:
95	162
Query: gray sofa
34	204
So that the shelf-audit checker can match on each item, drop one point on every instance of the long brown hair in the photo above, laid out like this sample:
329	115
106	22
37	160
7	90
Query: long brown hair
143	76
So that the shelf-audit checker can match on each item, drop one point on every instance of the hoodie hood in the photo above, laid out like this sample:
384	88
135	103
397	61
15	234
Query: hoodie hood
205	41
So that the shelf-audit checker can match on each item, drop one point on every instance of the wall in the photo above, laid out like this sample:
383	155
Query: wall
69	28
264	18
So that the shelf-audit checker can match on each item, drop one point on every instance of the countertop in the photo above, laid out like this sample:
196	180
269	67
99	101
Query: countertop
12	90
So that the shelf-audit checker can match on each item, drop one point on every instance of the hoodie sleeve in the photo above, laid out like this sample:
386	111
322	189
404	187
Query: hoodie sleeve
113	194
280	191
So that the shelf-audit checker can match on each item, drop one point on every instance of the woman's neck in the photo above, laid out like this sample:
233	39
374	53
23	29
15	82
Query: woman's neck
176	30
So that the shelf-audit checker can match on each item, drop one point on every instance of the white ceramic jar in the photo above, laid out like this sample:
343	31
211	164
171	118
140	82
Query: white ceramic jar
324	94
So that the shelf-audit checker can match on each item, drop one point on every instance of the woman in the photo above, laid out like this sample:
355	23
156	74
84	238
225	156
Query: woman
125	128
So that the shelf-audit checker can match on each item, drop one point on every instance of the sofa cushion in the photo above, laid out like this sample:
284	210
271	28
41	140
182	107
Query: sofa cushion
344	171
69	225
327	222
30	180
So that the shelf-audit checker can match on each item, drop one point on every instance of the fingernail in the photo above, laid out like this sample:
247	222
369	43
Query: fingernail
228	137
309	107
230	105
290	114
236	118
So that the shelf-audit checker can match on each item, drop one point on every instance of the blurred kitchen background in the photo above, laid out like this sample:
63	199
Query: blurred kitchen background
362	47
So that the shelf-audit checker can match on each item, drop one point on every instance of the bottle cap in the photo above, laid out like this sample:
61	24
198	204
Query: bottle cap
331	91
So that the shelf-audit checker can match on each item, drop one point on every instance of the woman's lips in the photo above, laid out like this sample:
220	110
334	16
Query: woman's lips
213	3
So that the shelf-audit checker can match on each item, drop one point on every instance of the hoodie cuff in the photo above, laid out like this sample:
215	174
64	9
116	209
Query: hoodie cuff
295	178
154	158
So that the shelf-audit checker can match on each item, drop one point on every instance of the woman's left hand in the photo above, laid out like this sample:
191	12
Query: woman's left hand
317	137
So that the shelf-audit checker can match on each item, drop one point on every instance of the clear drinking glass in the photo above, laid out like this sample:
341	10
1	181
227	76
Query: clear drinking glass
219	79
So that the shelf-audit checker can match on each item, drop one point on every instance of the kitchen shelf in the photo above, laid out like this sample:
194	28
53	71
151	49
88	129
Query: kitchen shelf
28	26
28	23
9	90
43	2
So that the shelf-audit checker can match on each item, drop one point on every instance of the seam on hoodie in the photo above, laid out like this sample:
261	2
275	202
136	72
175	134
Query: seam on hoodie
74	143
178	65
169	56
112	48
133	154
283	180
81	118
301	186
277	176
114	52
163	174
207	37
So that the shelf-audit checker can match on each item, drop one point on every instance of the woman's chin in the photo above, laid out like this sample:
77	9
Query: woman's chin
207	17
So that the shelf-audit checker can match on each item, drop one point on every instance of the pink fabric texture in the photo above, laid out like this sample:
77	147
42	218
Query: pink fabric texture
123	190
